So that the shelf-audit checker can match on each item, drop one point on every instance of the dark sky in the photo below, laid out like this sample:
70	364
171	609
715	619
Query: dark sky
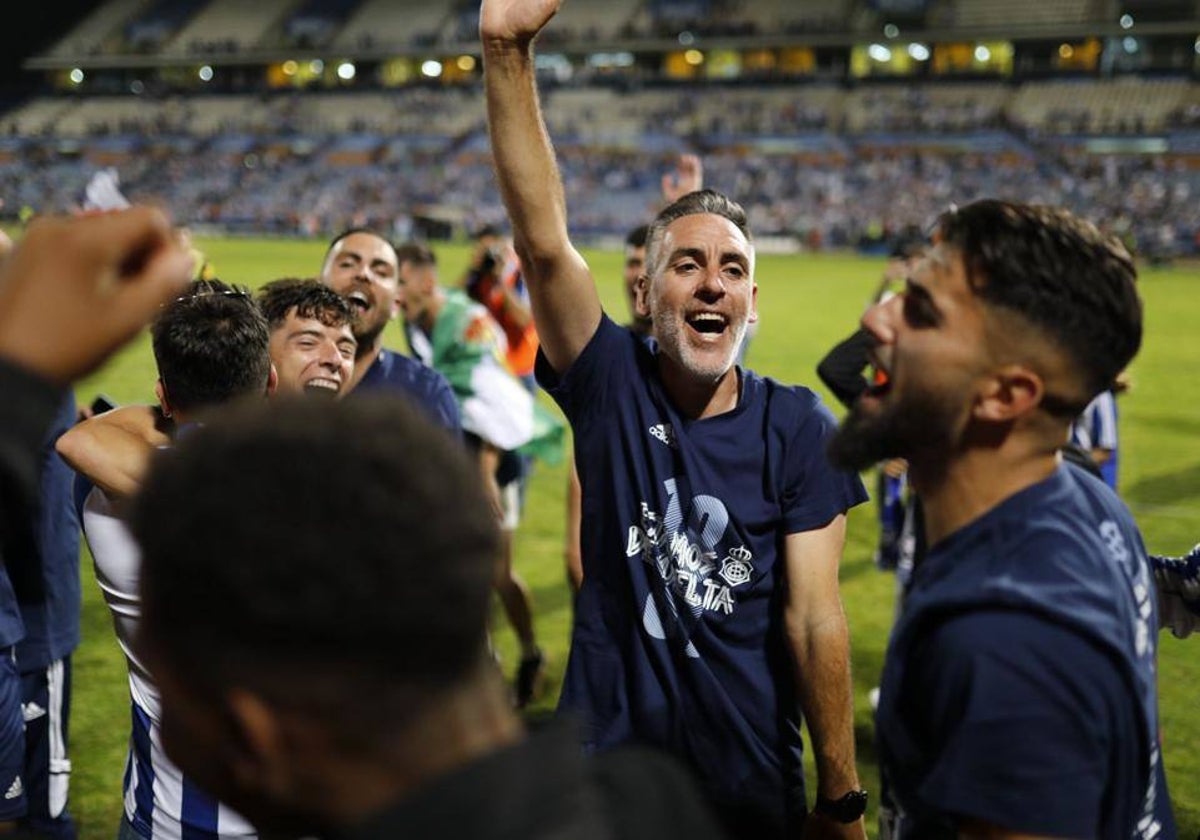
33	29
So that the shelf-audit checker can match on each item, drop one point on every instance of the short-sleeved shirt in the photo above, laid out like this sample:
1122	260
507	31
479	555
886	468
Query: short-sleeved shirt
678	638
1019	685
427	388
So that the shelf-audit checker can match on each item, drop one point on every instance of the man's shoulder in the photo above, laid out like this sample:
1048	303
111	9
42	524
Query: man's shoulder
399	369
790	408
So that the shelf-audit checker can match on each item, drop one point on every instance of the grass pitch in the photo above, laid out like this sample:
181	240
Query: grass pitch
806	304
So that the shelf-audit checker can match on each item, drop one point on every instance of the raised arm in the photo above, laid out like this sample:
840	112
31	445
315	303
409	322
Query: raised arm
113	449
566	308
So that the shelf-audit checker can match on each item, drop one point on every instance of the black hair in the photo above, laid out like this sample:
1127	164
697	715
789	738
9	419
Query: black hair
1060	274
211	346
334	557
417	253
636	238
350	231
694	203
485	231
308	297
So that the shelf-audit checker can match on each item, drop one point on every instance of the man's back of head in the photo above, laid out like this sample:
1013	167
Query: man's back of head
1060	275
210	346
351	551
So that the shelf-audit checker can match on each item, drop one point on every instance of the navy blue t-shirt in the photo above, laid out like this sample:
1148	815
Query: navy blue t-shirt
678	638
51	600
426	386
1019	685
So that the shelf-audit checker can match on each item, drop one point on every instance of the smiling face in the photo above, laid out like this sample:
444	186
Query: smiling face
311	357
931	349
362	268
700	295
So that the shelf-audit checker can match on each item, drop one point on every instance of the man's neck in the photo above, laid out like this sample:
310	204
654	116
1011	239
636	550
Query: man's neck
364	360
459	730
697	399
968	484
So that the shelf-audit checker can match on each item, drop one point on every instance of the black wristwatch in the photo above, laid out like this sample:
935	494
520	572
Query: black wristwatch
848	809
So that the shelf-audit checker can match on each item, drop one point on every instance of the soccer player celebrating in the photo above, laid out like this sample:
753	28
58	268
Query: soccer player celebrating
709	610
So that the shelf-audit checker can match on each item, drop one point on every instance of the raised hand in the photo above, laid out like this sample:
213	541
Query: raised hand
688	177
515	21
76	289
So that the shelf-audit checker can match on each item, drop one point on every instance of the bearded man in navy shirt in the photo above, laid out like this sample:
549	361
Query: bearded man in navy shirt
1018	695
713	522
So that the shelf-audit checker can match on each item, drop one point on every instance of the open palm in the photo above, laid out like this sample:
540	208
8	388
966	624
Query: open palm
515	20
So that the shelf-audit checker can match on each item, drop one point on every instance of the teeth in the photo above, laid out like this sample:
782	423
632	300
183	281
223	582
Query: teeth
708	316
321	383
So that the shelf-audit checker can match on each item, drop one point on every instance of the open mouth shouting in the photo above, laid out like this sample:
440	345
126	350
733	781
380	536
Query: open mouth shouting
359	300
708	324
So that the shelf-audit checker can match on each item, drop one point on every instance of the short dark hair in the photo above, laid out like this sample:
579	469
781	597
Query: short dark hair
348	544
350	231
308	297
417	253
636	238
211	345
694	203
486	230
1060	274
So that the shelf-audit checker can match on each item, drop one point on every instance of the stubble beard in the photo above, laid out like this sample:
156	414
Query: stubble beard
910	428
668	332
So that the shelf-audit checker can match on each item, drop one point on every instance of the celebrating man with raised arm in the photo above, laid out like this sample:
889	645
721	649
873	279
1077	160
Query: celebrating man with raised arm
713	522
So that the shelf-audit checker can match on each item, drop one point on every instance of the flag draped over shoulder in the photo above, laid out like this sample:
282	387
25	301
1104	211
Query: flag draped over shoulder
467	348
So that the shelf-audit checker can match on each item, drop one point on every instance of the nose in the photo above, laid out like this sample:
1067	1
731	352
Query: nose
879	320
711	287
330	358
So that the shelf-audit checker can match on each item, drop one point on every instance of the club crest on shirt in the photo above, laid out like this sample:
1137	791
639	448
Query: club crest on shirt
686	558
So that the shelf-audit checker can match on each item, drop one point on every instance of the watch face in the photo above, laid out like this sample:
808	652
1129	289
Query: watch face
847	809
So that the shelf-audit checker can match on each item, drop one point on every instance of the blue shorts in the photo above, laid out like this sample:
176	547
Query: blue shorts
12	740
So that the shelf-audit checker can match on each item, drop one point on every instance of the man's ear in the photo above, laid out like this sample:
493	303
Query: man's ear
1010	393
259	759
752	316
641	296
160	391
272	380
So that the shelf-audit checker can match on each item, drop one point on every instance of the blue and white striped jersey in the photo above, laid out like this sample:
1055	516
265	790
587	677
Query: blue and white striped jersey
160	802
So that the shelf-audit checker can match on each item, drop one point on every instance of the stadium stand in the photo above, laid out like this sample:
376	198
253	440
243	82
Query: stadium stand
100	31
391	23
825	159
227	26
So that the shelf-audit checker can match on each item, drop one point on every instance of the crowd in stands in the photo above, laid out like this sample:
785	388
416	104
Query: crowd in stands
833	168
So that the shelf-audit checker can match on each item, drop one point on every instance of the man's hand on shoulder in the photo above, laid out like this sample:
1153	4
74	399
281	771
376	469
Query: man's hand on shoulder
514	21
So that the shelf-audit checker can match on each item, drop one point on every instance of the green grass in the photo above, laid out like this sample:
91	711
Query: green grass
807	303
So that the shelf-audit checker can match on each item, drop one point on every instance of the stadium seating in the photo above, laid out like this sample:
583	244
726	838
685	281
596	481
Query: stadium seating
227	26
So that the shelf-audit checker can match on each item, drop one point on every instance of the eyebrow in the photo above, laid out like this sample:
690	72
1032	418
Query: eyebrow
698	255
306	331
